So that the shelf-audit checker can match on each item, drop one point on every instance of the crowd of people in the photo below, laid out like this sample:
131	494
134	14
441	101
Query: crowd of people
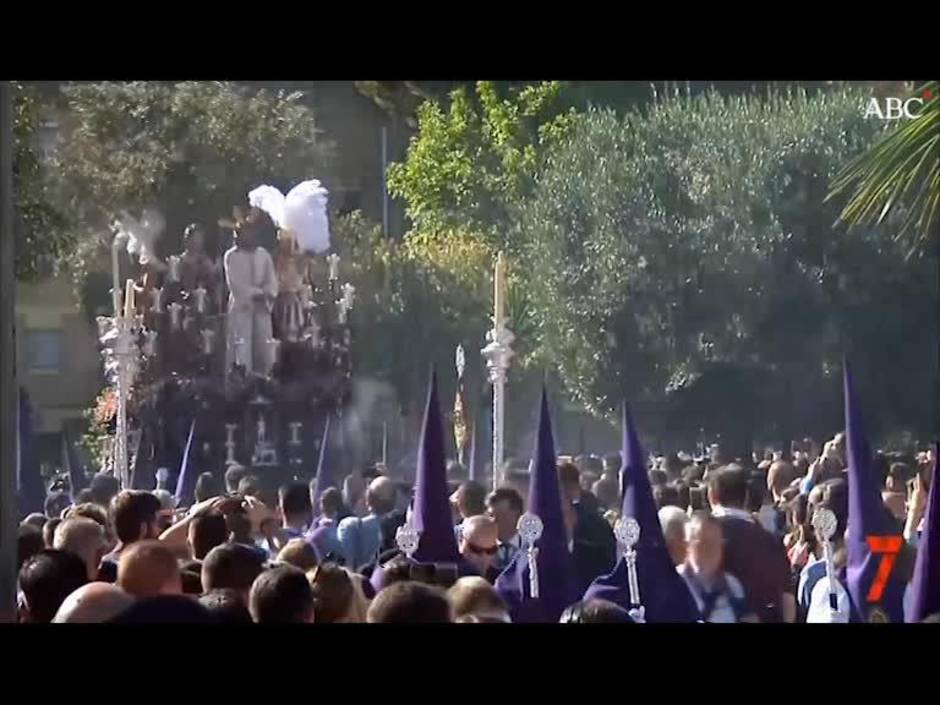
717	540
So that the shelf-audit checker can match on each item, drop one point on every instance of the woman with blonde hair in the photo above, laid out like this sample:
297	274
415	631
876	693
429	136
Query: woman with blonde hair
338	597
300	554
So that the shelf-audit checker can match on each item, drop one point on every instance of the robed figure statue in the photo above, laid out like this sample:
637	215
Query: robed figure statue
252	284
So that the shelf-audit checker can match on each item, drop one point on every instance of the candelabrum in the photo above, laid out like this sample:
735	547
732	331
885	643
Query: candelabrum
230	429
498	354
121	355
295	442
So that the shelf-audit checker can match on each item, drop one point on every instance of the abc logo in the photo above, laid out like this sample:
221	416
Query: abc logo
894	108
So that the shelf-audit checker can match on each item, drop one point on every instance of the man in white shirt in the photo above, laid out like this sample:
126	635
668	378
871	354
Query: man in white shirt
673	522
252	283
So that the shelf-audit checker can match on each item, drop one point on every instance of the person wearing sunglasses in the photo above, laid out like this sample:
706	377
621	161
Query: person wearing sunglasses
479	543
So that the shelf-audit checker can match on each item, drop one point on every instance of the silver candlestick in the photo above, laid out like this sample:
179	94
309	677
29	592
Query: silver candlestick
295	427
498	354
175	312
239	345
274	348
150	343
314	335
349	295
208	336
262	429
230	443
200	297
174	268
333	261
157	295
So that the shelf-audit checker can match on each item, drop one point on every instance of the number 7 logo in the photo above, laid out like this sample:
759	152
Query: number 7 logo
888	547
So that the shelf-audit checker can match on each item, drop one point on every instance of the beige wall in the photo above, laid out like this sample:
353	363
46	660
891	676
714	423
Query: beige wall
65	394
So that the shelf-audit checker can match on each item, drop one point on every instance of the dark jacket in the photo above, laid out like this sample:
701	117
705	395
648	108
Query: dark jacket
758	559
595	548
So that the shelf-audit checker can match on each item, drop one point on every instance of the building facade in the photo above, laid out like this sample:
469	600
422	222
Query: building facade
57	362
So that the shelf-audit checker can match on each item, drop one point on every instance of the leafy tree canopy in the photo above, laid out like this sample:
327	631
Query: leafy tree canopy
664	243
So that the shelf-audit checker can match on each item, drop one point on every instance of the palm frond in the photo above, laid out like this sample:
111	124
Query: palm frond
900	174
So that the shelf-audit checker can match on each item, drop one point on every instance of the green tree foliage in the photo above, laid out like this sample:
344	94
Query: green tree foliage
693	241
40	226
473	159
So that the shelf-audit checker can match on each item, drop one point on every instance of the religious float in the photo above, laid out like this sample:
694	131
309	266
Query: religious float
240	359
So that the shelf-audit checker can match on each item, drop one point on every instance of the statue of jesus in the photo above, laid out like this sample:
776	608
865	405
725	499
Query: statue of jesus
252	284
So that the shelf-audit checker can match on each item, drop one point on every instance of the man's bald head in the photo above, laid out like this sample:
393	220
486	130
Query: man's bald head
148	569
93	603
478	542
480	528
85	538
780	476
380	497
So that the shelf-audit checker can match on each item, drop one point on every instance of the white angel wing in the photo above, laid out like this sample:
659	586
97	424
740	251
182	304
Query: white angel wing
142	235
270	200
305	214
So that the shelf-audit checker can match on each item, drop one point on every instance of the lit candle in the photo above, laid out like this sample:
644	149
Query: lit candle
200	296
175	310
349	293
115	274
129	299
150	344
499	285
274	347
333	261
207	338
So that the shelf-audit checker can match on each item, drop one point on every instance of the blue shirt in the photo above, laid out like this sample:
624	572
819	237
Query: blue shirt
360	539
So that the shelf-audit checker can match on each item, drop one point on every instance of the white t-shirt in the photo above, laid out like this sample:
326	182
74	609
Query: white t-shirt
820	612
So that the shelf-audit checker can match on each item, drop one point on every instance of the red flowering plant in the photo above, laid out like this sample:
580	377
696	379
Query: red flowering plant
102	421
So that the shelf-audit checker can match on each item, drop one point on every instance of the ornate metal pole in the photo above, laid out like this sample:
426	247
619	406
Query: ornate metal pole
125	353
119	447
498	354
